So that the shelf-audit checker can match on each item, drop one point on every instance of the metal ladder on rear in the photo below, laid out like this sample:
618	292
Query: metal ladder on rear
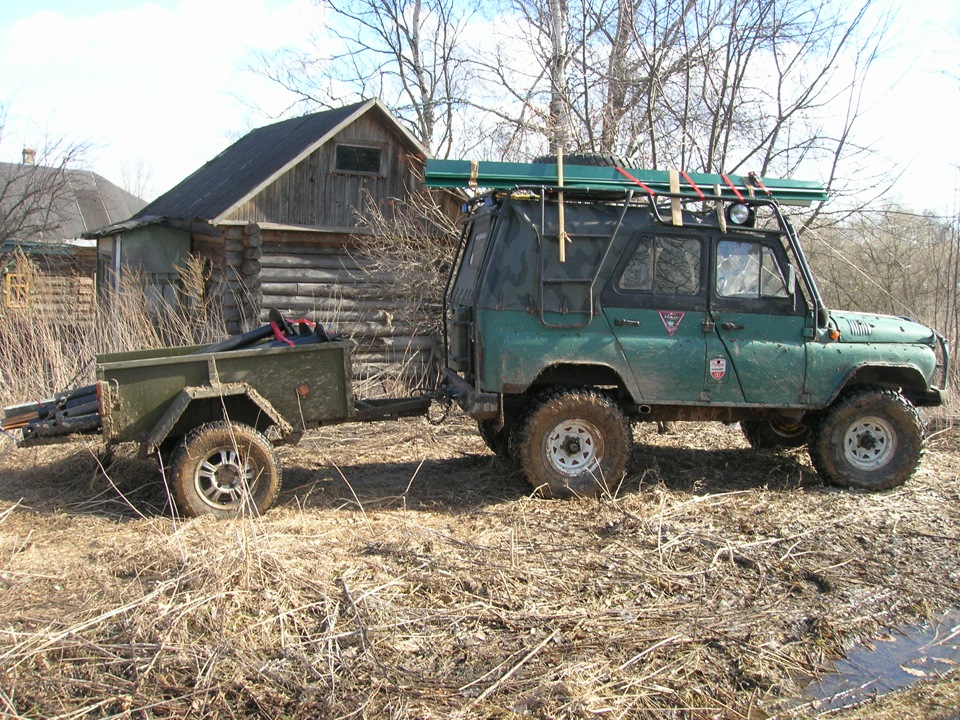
587	280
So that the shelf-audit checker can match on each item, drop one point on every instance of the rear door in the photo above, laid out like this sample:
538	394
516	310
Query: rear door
656	304
759	318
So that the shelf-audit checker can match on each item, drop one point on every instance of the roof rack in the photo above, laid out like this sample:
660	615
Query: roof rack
692	186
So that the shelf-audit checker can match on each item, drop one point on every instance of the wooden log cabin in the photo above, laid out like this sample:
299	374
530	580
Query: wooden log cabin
46	270
276	216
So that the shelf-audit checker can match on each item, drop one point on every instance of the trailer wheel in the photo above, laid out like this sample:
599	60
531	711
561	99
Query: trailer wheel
573	443
870	439
774	434
225	469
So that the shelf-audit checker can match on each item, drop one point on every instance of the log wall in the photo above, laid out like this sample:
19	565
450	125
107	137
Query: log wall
61	286
322	277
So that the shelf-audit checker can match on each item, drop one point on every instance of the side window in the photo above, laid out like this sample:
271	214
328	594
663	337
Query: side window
749	270
664	265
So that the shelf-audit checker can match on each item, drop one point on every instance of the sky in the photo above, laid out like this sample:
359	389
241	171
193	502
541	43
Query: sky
161	85
158	87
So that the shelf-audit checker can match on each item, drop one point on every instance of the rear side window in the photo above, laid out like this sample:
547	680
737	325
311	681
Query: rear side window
663	265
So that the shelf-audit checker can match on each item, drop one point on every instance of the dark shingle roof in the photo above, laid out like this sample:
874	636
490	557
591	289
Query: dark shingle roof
248	164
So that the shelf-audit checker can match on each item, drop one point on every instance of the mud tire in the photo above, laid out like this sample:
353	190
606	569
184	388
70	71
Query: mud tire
870	439
573	443
225	469
774	435
587	159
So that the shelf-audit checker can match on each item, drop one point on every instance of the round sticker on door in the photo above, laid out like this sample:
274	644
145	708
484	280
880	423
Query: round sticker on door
718	368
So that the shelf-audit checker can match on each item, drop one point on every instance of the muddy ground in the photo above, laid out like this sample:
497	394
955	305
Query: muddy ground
406	573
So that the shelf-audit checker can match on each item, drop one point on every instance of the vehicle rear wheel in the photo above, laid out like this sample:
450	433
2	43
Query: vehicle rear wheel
871	439
225	469
573	443
774	434
497	439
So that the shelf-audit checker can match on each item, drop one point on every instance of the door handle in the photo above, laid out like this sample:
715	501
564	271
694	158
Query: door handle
731	326
621	322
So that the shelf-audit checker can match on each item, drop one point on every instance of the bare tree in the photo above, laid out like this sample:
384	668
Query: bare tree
33	192
409	53
714	85
137	178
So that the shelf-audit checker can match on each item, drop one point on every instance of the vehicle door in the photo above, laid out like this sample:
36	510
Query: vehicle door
656	304
759	317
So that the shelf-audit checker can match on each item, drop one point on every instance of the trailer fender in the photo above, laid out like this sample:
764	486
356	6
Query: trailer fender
188	395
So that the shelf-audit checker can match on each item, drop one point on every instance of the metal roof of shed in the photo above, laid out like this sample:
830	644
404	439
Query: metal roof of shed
256	160
83	201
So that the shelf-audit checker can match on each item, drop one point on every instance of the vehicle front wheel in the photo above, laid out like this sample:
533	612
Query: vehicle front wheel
573	443
225	469
774	434
871	439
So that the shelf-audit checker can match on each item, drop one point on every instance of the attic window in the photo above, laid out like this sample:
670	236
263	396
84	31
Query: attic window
358	159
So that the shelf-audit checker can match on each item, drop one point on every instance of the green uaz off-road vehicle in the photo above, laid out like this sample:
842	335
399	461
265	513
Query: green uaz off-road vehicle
667	303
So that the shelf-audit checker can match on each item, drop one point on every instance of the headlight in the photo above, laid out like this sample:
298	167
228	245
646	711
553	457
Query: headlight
739	214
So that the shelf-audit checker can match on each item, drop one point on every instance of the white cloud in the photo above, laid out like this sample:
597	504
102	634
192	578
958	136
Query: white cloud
165	87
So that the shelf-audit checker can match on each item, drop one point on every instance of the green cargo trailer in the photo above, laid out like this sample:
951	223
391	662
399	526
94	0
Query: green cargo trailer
212	417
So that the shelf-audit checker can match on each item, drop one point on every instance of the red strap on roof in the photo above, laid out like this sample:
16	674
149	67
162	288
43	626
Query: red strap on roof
754	178
735	191
693	185
623	172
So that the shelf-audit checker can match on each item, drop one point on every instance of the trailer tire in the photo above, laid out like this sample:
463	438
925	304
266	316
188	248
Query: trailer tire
225	469
871	439
573	443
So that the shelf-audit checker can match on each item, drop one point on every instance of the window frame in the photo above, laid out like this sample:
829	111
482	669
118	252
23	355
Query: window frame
16	286
788	304
359	146
616	296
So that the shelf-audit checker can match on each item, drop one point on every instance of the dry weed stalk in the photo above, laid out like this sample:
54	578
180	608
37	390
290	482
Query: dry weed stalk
43	353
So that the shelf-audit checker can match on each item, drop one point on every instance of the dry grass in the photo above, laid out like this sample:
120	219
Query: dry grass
407	574
43	353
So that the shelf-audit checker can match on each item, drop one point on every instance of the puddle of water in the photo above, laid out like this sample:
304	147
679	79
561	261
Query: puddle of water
904	656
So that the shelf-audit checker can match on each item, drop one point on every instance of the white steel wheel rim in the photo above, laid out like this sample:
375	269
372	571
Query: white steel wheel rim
221	479
573	447
869	443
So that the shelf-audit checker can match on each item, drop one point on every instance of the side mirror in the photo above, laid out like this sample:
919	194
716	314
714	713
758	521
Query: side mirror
823	317
791	281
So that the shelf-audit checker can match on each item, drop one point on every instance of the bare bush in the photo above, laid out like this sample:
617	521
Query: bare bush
410	244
